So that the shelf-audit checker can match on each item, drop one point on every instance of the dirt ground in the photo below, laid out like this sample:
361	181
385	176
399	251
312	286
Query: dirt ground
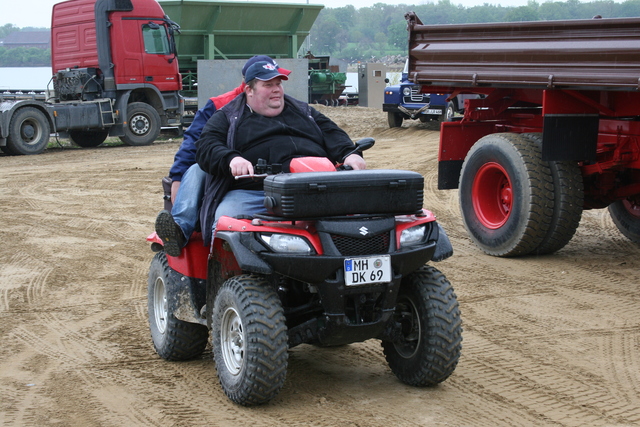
548	341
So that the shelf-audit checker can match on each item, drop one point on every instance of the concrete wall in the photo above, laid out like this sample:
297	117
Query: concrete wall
218	76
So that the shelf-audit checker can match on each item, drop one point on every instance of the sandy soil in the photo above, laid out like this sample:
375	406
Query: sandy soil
550	340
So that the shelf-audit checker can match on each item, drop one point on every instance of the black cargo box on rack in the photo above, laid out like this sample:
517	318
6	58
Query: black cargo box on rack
318	194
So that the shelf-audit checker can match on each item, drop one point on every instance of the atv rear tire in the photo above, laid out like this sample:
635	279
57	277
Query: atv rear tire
173	339
249	339
427	309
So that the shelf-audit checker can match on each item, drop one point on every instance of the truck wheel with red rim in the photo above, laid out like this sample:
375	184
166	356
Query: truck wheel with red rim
428	312
143	124
506	195
626	216
568	190
29	132
395	119
88	138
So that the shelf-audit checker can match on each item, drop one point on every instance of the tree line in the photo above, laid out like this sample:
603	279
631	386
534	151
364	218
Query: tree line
380	31
22	56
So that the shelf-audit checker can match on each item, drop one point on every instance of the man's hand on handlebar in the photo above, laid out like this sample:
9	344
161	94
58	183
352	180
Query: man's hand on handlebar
356	162
240	166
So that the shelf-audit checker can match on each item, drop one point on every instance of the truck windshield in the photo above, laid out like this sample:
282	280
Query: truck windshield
156	39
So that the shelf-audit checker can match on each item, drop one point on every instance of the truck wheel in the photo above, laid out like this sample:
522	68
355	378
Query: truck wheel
249	339
626	216
29	132
88	138
173	339
143	124
568	191
506	195
428	311
449	112
395	119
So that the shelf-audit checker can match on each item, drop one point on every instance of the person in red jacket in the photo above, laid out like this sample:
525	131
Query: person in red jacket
187	187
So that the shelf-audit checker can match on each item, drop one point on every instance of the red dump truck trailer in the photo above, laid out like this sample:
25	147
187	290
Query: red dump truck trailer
115	73
557	130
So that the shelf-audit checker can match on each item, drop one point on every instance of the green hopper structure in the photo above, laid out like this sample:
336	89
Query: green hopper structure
237	30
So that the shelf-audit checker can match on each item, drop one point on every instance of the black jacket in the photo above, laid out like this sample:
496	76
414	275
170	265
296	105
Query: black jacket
235	131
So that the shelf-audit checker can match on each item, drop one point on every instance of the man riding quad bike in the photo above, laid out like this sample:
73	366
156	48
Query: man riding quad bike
339	258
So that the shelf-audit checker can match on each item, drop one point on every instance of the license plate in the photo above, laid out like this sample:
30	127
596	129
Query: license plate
362	271
434	111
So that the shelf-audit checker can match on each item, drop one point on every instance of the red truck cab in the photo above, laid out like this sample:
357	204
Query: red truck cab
115	73
140	42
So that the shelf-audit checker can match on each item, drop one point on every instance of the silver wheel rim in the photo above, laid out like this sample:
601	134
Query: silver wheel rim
411	329
139	124
450	113
160	308
30	131
232	340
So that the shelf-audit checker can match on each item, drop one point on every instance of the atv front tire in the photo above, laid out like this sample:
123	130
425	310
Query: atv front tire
173	339
427	309
249	338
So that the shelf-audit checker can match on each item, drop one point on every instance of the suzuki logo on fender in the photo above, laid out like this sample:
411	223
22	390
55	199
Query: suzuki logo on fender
363	230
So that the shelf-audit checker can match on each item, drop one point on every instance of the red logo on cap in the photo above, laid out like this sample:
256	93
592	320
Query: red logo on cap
268	67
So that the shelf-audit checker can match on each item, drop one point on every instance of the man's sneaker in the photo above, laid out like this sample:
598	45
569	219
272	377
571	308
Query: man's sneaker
170	233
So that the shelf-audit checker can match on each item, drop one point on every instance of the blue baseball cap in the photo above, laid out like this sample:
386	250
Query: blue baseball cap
266	58
263	70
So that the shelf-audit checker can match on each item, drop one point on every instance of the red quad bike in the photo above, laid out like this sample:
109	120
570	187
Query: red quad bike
340	258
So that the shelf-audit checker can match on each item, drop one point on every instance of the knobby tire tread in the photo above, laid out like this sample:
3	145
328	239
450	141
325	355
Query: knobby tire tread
441	344
266	358
181	340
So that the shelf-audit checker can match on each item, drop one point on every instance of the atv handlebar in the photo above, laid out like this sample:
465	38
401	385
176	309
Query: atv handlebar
262	169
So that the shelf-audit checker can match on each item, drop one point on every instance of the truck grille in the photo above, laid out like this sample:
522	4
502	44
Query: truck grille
349	246
416	96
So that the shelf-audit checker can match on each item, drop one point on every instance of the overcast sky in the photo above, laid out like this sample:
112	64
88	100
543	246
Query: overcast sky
37	13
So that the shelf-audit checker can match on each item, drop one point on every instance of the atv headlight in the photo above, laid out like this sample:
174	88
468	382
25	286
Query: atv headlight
413	235
286	243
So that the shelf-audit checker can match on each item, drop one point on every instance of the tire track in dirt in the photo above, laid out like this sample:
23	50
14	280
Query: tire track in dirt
338	381
539	388
528	313
25	280
547	340
597	228
621	352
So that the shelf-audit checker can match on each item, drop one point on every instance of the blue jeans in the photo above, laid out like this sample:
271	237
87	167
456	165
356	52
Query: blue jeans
240	202
186	208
